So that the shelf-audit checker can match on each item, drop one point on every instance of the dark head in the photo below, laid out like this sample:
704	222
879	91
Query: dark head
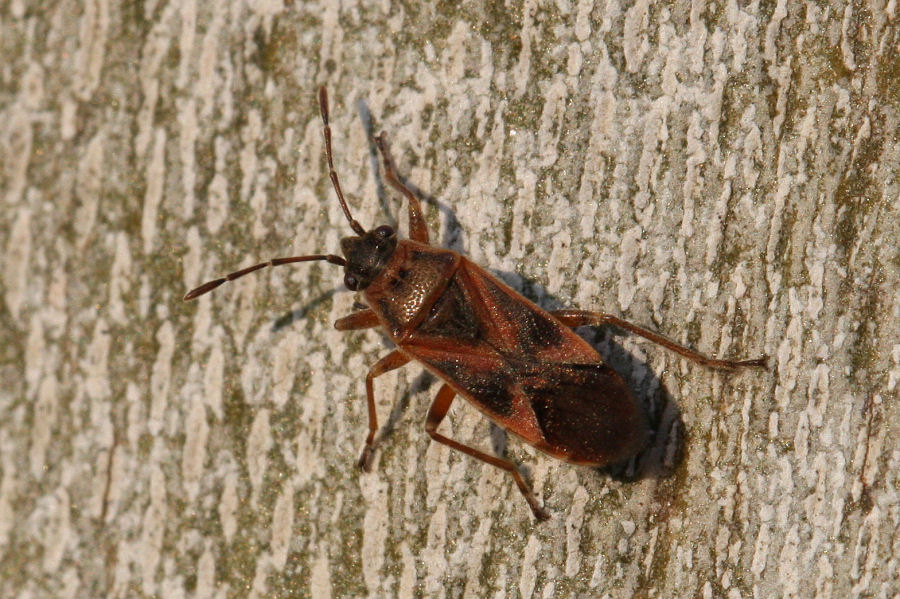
366	255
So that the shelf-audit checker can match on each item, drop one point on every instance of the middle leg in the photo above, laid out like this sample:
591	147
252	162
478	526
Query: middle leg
436	414
392	361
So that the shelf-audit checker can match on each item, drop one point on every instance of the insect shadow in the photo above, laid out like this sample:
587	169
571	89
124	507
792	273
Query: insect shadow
286	320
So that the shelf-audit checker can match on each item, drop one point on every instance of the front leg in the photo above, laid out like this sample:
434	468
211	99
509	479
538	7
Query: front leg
418	230
392	361
364	319
578	318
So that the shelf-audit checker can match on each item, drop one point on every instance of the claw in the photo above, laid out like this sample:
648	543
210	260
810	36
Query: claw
365	460
540	513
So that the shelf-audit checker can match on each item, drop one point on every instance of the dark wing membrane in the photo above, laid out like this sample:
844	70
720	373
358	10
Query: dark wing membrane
585	412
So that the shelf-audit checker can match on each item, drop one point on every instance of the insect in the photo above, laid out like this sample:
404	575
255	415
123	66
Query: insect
523	367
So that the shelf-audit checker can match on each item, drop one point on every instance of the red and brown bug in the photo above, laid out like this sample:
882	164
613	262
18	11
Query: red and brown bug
523	367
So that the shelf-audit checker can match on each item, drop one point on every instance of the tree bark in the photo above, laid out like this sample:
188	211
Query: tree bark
723	173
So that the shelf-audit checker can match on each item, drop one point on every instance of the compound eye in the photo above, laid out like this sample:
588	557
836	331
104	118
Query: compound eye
351	282
383	232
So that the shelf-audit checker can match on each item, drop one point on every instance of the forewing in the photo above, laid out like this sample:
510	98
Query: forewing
526	371
517	327
485	378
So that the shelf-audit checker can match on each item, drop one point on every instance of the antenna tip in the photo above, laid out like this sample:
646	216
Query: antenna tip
205	288
323	103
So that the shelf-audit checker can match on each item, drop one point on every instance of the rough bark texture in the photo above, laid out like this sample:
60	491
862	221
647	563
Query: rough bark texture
725	173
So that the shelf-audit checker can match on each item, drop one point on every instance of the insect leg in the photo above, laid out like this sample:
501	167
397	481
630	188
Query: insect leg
392	361
418	230
578	318
364	319
436	414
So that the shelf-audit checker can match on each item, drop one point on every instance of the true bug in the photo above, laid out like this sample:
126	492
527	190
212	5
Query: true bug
523	367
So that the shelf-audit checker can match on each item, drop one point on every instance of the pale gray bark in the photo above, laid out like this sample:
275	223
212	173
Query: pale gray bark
724	173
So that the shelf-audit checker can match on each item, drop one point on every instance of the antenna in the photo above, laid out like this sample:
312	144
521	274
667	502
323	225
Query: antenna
323	107
207	287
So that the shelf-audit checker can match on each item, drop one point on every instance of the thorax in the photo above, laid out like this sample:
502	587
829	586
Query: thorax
414	277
